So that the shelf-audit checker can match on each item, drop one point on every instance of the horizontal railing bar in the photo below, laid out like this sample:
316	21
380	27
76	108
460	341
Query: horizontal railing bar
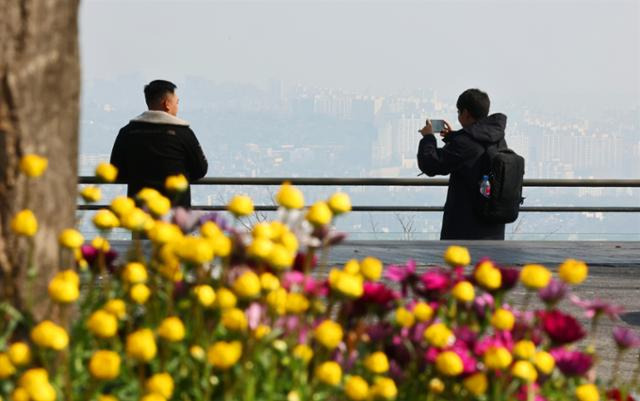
546	209
417	182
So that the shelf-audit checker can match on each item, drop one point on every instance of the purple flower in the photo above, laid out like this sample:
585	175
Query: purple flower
187	220
625	338
216	218
554	292
510	277
572	363
597	307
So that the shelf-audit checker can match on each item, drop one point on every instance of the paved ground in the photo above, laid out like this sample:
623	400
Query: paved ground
614	273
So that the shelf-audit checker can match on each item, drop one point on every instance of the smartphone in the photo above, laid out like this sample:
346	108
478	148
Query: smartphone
438	125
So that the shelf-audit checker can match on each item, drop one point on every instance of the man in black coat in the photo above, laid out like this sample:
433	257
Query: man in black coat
157	144
464	157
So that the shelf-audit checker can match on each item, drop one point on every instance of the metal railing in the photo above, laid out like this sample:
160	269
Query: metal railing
415	182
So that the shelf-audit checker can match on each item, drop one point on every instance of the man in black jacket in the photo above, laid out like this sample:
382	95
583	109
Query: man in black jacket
464	158
157	144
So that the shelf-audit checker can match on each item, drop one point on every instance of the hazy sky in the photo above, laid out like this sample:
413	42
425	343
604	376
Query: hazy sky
514	48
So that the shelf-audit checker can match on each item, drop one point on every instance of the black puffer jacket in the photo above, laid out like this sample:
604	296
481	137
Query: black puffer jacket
153	146
463	157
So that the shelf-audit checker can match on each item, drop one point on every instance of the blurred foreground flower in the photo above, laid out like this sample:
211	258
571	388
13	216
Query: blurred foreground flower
33	165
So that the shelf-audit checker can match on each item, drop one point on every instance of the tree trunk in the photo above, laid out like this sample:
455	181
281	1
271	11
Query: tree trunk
39	108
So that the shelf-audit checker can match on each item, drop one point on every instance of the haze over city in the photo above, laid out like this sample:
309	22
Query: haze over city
340	88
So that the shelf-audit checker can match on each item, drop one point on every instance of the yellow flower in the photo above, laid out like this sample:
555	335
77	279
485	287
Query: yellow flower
171	329
71	238
352	267
524	370
269	282
456	256
502	319
139	293
221	245
105	219
277	300
436	385
477	383
136	220
176	183
91	194
573	271
535	276
587	392
371	268
36	383
423	311
49	335
19	394
205	294
356	388
290	242
116	307
449	363
160	383
146	194
234	319
319	214
6	367
240	205
488	276
152	397
225	299
260	248
404	317
280	257
329	373
524	349
102	324
224	355
544	361
104	365
303	352
33	165
329	334
64	287
159	206
385	388
463	291
196	352
106	397
290	197
377	362
339	203
19	353
101	244
141	345
24	223
209	229
261	331
247	285
263	230
439	335
296	303
107	172
195	250
497	358
122	205
351	285
163	232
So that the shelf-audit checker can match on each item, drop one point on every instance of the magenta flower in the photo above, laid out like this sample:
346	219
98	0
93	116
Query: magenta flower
483	304
554	292
301	259
560	327
378	293
625	338
435	280
401	274
499	339
597	307
510	277
90	254
572	363
469	363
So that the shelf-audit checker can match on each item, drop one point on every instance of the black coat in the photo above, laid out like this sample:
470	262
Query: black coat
147	150
463	157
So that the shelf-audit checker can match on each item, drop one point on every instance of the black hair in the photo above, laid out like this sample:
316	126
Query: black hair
155	91
474	101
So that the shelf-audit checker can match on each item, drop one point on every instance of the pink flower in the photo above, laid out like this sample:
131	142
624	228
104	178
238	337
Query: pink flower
378	293
523	394
499	339
482	304
469	363
554	292
572	363
401	274
435	280
254	314
597	307
626	338
561	328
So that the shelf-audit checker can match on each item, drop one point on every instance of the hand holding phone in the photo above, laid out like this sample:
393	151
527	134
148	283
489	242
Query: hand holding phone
438	125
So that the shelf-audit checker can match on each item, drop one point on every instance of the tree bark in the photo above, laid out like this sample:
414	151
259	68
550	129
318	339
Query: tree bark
39	109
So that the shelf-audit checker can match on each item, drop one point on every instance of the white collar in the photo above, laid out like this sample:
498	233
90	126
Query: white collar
159	117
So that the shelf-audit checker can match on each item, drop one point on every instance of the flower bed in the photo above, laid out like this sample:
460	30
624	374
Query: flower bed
223	311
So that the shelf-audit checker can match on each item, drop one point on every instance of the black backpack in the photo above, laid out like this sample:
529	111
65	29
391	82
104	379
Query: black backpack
506	174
